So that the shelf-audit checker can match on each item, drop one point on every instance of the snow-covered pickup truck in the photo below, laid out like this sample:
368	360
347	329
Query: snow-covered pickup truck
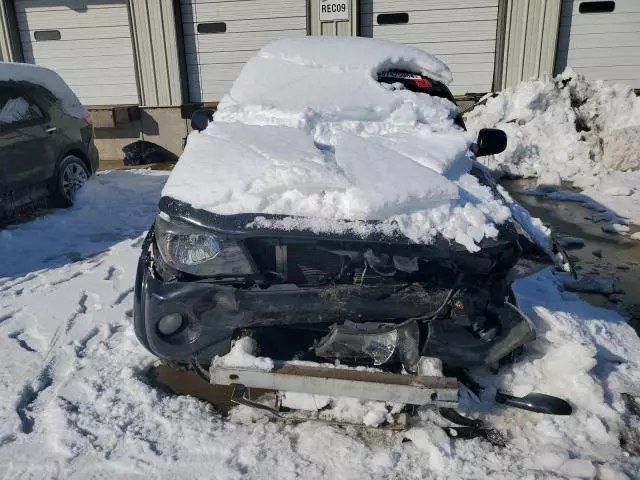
333	211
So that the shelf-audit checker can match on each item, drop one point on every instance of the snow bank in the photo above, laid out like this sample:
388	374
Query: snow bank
565	126
308	132
45	78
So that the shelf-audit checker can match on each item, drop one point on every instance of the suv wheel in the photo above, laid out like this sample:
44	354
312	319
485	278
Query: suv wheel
72	175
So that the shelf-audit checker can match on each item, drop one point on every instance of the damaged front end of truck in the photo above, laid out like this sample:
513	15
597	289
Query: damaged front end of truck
205	281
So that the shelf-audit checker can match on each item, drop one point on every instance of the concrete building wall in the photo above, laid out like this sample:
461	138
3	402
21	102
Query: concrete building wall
528	49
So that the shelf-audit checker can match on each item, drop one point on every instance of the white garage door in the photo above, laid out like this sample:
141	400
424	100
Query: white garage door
88	42
221	35
462	33
601	40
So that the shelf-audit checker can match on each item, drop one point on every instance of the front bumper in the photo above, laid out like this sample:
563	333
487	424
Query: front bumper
212	313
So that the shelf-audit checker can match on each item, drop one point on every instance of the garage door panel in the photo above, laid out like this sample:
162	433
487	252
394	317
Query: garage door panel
466	58
242	26
382	6
71	62
457	48
71	34
94	51
435	32
603	29
105	17
237	11
205	58
439	16
620	72
461	33
621	6
205	91
602	46
590	61
88	49
584	54
612	40
227	72
601	20
64	5
236	41
214	60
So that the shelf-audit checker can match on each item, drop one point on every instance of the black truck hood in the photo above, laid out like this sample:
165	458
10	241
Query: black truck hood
244	225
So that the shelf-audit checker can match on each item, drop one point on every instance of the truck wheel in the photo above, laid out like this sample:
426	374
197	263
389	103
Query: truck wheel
72	175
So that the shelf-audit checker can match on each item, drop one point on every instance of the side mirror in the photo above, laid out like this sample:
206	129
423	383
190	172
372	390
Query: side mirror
491	141
201	118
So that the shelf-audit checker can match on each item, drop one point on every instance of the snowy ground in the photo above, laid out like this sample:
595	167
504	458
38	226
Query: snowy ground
78	403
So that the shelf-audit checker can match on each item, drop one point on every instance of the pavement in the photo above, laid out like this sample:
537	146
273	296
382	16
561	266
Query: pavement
607	254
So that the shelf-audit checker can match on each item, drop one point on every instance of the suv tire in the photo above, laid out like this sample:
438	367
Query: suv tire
71	176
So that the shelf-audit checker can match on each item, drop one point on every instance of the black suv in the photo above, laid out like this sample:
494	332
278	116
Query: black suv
43	149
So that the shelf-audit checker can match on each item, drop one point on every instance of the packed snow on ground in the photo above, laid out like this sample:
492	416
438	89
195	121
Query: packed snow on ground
570	129
78	401
315	137
48	79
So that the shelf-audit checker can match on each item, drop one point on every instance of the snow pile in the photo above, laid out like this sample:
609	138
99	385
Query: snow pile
79	401
313	136
570	129
563	128
47	79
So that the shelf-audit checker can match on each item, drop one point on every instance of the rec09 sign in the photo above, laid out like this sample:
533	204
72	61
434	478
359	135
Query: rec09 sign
334	10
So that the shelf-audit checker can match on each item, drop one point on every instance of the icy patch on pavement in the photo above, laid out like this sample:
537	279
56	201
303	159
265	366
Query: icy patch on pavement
587	282
570	129
79	403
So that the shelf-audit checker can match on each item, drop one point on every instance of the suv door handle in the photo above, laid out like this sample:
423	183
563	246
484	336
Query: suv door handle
51	130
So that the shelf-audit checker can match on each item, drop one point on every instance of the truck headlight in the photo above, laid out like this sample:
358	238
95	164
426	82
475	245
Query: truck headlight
198	252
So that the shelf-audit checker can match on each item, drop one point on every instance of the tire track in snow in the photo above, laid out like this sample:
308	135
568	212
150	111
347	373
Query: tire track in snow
81	310
80	346
123	296
112	272
9	316
29	395
22	343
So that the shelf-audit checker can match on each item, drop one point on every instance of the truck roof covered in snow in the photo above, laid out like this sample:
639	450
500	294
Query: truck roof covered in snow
23	72
330	75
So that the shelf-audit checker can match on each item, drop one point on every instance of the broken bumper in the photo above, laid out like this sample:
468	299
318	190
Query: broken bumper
211	314
335	382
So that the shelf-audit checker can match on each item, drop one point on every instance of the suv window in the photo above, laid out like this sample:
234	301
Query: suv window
15	108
